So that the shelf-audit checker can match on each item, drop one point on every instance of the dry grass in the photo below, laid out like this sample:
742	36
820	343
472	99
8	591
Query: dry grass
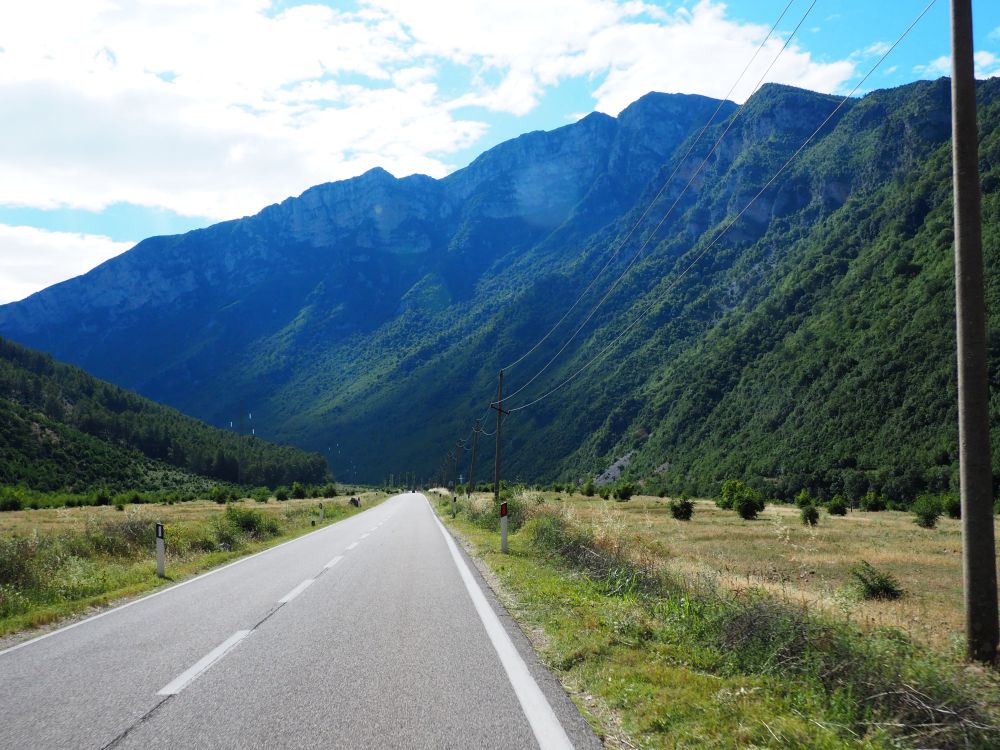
58	520
806	564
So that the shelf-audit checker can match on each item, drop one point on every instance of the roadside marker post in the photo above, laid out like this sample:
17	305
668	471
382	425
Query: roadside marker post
160	550
321	513
503	527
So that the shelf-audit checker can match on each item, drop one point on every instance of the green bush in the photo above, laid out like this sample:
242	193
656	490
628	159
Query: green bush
298	491
588	488
219	494
681	509
252	523
810	516
103	497
281	494
623	491
926	510
952	506
329	490
837	506
742	498
10	502
872	502
874	584
804	499
605	492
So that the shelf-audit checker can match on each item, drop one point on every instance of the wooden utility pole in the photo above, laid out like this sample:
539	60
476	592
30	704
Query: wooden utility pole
496	467
975	465
472	465
239	447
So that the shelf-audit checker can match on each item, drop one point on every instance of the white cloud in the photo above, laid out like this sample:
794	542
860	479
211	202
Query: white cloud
986	63
32	259
219	107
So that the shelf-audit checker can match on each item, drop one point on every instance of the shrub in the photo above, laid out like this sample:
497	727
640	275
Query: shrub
927	510
872	502
10	503
605	493
281	494
298	491
219	494
252	523
624	491
749	505
681	509
486	513
103	497
742	498
588	488
810	516
329	490
804	499
837	506
260	494
875	584
952	506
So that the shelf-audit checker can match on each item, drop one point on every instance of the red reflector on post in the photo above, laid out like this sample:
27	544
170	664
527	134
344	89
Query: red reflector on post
503	510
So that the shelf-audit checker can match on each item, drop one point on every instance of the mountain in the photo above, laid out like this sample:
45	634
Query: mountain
66	430
810	344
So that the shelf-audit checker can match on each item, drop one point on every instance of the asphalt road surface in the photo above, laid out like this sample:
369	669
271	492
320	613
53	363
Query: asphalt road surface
373	632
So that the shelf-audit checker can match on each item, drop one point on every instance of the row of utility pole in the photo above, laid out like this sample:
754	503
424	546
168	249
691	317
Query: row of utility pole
982	623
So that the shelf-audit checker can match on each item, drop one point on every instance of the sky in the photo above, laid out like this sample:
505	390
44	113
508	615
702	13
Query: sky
124	119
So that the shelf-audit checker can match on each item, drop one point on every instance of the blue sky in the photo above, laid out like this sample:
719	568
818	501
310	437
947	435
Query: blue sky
123	119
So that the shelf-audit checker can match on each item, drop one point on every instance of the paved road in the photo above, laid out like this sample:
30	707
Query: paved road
372	632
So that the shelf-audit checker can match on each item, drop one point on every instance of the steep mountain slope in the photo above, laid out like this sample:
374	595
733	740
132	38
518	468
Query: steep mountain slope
811	343
66	430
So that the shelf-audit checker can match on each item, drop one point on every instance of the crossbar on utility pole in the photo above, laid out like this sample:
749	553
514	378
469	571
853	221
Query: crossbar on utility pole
496	467
975	464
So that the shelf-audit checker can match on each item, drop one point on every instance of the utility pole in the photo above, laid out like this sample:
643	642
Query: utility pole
496	468
239	447
472	465
975	464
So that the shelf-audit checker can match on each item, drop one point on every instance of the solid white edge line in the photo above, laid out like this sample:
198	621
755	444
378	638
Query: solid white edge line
365	536
544	723
176	586
333	562
296	591
352	546
191	673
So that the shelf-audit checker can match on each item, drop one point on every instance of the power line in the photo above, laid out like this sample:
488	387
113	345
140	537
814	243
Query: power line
663	187
659	193
725	229
677	200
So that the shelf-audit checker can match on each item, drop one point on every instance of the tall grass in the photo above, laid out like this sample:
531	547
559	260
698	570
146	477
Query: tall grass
866	685
50	569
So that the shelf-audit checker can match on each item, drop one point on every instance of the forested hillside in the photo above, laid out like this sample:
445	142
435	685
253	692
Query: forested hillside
66	430
811	344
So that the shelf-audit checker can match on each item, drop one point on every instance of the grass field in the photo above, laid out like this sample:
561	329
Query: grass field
59	562
724	633
780	554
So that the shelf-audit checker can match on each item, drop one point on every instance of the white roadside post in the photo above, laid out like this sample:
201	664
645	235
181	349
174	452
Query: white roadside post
160	550
503	527
321	513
